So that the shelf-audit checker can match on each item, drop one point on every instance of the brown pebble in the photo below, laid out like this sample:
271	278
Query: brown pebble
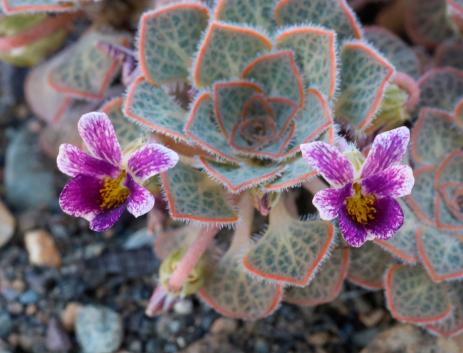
42	249
224	325
15	308
7	224
18	285
31	310
318	338
372	318
69	315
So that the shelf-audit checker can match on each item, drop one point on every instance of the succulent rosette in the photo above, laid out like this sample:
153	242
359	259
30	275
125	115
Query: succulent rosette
104	182
364	191
258	80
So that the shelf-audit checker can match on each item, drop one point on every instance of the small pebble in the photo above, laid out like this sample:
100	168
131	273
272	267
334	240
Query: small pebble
7	225
6	324
69	315
98	329
57	339
224	325
183	307
42	249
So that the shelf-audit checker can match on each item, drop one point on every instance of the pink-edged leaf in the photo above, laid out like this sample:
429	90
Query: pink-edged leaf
458	114
225	51
334	14
20	6
427	22
412	296
291	251
246	12
192	196
127	132
449	53
421	201
47	103
245	175
452	325
85	71
434	135
368	265
436	81
441	254
403	244
278	74
448	182
168	38
155	109
229	99
203	130
231	291
364	77
395	50
315	54
326	285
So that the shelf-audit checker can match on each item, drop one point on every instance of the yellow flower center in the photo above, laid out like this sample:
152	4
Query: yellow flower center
113	192
361	207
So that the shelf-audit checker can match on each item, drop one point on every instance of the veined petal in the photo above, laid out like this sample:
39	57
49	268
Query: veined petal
81	197
151	159
106	220
395	181
389	218
100	137
388	148
354	233
140	200
72	161
329	201
329	162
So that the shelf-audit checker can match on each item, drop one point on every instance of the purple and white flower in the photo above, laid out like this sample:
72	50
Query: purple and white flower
363	191
104	182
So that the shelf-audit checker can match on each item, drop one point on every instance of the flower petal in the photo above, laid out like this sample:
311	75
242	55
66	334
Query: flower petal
81	197
72	161
329	162
388	148
395	181
100	138
151	160
106	220
389	218
140	201
329	201
354	233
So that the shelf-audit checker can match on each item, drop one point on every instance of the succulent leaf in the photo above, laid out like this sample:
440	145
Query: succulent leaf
427	22
19	6
154	108
248	174
315	54
368	265
335	14
192	196
449	53
412	296
434	135
441	254
449	186
326	285
291	251
225	51
204	131
296	172
85	71
234	293
436	81
168	38
452	325
257	13
364	77
395	50
278	74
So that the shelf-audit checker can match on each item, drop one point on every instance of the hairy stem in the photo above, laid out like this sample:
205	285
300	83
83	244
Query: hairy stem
244	226
191	258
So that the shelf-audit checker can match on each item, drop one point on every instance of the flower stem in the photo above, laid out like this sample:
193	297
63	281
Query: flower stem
191	258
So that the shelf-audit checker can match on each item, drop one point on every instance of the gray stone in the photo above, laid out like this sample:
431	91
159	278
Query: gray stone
98	329
6	324
29	181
